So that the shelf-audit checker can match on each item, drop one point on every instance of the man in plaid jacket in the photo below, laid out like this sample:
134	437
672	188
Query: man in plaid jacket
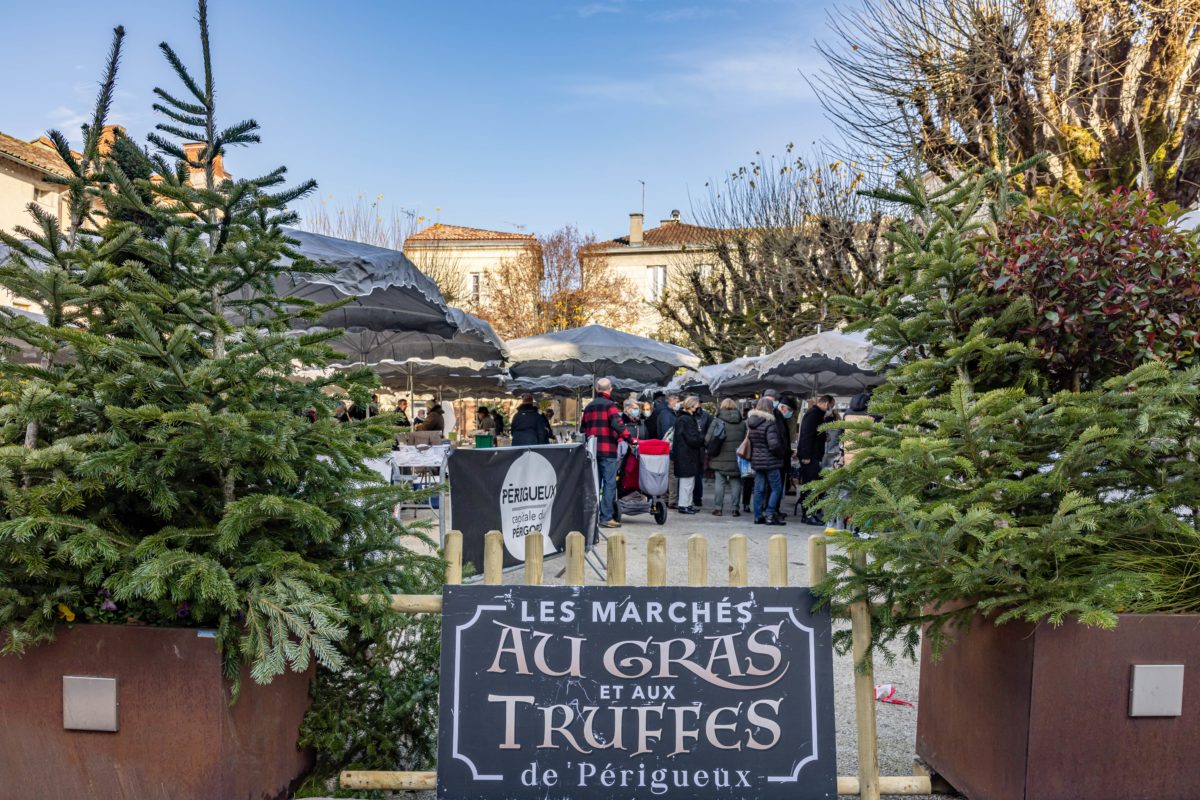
602	421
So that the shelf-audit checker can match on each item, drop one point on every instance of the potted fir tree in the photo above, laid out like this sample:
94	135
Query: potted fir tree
1027	501
181	513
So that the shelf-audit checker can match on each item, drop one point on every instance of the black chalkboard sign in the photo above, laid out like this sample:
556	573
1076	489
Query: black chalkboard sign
621	692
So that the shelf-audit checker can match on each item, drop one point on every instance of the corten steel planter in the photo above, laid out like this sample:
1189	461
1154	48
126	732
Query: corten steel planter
1024	712
178	737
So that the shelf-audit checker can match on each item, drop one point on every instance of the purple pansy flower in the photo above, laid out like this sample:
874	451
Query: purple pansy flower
108	605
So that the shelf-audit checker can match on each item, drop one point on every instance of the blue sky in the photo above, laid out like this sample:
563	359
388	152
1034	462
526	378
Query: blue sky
500	114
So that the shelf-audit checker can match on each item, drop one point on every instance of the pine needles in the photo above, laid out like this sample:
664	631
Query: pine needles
984	491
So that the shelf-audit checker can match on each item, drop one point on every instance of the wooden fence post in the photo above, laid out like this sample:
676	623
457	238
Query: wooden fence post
737	560
616	559
534	555
574	559
777	563
697	560
493	558
656	560
452	547
818	559
864	693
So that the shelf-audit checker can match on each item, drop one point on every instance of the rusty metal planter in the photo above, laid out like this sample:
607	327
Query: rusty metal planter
1024	712
178	737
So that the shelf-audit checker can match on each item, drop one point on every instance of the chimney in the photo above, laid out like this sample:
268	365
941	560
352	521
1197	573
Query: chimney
674	220
635	229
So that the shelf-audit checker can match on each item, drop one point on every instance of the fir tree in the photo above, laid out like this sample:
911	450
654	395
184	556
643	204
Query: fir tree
156	461
982	490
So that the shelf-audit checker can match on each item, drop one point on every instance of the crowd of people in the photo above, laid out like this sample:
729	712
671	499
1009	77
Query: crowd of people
758	451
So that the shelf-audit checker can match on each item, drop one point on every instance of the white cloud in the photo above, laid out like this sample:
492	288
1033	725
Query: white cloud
748	75
592	9
66	119
685	13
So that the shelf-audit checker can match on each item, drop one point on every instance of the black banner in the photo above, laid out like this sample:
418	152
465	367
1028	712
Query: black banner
613	693
518	491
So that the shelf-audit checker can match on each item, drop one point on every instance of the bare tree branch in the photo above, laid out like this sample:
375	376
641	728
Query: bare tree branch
564	282
787	237
964	82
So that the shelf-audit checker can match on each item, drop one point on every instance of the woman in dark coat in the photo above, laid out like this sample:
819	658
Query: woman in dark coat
724	463
767	453
529	426
687	453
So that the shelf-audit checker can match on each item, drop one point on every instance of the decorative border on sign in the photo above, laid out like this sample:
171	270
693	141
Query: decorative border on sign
812	672
457	675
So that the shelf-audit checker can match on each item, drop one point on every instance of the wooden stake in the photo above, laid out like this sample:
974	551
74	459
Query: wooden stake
534	543
574	559
403	781
697	560
777	565
889	784
656	560
417	603
818	563
453	550
493	558
616	559
864	693
737	560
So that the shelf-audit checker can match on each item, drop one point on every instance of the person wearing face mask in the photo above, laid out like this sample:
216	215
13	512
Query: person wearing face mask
632	417
811	450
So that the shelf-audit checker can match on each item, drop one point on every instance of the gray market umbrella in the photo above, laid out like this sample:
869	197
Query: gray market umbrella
830	362
421	375
389	291
690	381
595	351
720	374
706	380
474	343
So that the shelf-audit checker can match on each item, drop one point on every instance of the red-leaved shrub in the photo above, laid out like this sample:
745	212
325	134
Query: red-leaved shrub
1112	280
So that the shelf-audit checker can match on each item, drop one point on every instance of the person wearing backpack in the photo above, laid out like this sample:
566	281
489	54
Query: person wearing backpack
725	434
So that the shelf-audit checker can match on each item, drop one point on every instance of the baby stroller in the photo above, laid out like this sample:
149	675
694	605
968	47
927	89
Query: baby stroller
642	483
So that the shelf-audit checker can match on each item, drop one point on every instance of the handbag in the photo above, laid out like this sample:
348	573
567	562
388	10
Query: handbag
745	468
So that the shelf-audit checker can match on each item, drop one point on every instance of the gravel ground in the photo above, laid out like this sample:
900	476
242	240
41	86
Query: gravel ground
897	725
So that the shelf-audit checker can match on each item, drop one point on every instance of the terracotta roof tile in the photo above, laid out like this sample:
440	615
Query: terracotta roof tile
33	154
672	233
440	232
